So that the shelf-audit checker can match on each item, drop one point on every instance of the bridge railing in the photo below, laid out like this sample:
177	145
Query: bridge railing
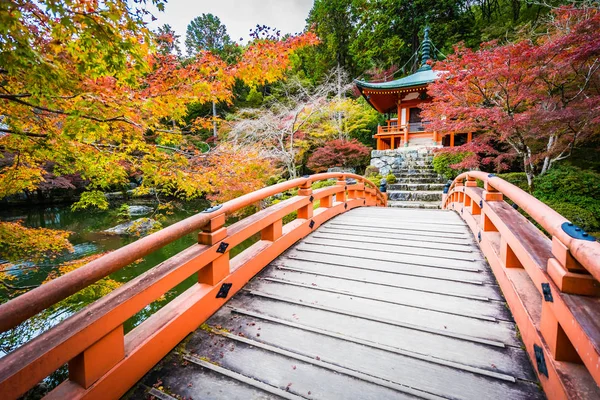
551	284
103	361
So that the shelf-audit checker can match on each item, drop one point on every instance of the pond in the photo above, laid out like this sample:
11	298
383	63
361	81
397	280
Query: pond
87	239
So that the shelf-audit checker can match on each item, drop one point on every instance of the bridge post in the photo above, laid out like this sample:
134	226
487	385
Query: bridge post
489	194
507	255
273	231
212	233
358	192
87	367
370	197
568	274
305	212
460	195
341	196
326	201
560	346
467	200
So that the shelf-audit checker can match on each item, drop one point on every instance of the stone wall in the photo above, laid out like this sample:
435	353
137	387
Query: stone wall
406	157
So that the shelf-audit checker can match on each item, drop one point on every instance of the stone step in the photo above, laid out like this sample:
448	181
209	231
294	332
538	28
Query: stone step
422	163
404	175
419	195
415	204
418	180
412	169
423	186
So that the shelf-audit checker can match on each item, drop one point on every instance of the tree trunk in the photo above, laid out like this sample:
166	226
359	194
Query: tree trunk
338	115
214	110
528	168
546	164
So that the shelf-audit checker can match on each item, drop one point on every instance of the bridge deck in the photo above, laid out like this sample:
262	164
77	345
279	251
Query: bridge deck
377	303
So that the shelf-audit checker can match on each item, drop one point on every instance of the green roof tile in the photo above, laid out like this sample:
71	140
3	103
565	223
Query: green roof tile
421	77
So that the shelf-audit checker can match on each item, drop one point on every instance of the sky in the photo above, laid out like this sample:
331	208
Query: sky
239	16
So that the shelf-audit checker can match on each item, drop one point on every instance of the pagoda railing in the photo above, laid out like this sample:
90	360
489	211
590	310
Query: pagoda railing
550	284
103	361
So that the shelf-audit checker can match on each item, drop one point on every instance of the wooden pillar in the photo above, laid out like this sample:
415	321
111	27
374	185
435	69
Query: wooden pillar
560	346
273	231
305	212
392	142
212	233
489	194
508	256
341	196
469	137
451	139
568	274
379	146
406	135
87	367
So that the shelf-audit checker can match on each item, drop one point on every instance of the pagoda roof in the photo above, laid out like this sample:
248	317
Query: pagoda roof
422	77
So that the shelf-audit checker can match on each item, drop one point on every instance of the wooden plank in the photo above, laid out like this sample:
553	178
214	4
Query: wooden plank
356	237
505	360
403	225
278	371
310	357
399	229
480	308
189	380
377	234
326	277
407	257
424	374
394	267
500	331
390	279
467	255
445	219
242	378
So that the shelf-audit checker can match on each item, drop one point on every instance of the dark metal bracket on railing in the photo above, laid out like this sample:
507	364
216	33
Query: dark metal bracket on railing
222	247
576	232
540	360
547	292
224	290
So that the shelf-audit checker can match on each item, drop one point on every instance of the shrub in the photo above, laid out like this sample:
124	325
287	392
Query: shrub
443	162
322	184
572	192
571	185
518	179
371	171
585	218
339	153
390	178
376	179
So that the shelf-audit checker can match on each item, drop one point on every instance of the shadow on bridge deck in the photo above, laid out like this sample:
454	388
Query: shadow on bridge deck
377	303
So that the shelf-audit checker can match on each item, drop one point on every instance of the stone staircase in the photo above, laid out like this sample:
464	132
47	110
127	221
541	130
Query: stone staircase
418	185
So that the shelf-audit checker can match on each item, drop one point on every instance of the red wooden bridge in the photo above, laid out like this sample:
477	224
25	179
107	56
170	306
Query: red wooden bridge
348	300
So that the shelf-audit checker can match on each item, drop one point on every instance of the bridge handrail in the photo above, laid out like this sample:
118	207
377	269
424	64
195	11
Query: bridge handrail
586	252
29	304
555	299
92	341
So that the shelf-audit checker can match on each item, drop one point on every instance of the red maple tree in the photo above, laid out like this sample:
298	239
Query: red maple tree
339	153
540	97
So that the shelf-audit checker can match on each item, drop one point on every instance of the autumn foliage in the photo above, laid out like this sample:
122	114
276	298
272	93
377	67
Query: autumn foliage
88	91
539	98
87	88
339	153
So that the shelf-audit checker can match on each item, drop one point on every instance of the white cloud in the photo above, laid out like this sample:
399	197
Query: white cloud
239	17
